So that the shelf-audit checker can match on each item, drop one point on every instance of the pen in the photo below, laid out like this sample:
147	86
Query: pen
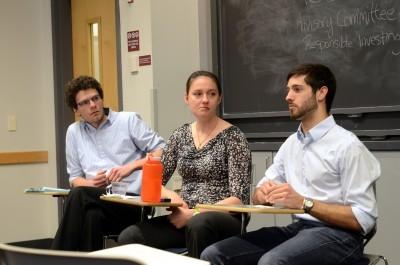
109	188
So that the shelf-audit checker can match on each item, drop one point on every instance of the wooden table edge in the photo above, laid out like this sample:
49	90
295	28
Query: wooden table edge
52	193
140	203
248	209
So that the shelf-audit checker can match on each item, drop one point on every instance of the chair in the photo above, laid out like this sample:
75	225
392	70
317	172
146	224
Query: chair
13	255
372	259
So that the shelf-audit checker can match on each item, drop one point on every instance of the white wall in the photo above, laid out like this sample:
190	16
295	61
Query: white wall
137	87
26	75
177	34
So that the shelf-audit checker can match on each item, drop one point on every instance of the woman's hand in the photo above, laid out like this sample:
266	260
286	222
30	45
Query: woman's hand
180	216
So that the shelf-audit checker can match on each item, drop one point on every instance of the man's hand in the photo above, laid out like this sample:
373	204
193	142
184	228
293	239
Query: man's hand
284	195
260	194
100	180
116	174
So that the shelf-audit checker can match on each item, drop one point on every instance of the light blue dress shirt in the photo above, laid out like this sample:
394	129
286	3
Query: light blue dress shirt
121	139
329	164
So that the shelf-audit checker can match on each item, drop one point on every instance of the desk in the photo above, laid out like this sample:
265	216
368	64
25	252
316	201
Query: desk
136	201
62	194
244	209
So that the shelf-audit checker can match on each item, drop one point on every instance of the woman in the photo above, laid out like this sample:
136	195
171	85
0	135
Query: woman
214	160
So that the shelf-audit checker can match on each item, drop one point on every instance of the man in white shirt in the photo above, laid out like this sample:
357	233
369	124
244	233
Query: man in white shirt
323	169
103	147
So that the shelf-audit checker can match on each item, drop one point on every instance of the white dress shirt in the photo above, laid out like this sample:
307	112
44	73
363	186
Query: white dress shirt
329	164
123	138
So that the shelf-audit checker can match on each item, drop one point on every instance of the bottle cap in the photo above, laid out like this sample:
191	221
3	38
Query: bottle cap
154	158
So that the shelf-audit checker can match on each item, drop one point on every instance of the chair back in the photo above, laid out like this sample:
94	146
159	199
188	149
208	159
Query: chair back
370	235
13	255
371	259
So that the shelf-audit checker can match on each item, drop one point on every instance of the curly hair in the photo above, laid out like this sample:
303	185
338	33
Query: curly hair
82	82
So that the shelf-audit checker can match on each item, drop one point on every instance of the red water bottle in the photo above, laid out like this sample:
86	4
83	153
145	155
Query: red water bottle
151	180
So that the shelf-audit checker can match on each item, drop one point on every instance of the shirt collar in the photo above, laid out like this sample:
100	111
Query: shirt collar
110	118
317	132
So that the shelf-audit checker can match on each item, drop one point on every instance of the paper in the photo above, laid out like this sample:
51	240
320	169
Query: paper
125	197
46	189
148	255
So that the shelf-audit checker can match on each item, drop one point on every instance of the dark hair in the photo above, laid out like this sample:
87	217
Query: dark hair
82	82
317	76
210	75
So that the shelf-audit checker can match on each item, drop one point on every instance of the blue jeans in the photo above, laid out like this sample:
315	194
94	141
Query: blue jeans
300	243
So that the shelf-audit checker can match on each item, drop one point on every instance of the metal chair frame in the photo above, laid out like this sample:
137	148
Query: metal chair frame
372	258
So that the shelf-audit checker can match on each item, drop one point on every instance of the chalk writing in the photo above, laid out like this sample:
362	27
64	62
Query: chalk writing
336	23
262	40
311	2
378	39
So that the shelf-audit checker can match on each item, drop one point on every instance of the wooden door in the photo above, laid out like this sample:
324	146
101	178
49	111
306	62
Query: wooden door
94	45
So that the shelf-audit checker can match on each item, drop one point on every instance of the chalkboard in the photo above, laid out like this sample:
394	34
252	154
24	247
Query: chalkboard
260	41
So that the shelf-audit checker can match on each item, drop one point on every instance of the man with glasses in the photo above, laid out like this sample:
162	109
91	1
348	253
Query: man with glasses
103	147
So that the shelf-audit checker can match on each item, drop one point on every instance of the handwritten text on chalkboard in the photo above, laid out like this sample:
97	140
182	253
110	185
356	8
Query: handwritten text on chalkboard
337	27
262	40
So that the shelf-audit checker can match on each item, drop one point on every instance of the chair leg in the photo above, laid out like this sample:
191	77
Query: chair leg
107	237
375	259
384	259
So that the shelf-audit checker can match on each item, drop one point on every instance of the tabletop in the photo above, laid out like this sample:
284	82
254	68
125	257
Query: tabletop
249	208
52	193
136	201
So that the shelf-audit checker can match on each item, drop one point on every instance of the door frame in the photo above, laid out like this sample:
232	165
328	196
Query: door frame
62	73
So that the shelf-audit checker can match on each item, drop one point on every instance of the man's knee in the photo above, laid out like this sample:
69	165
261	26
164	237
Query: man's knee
94	214
213	255
271	258
83	195
76	191
130	235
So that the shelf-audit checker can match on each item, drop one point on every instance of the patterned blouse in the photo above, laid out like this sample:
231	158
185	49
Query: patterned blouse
220	169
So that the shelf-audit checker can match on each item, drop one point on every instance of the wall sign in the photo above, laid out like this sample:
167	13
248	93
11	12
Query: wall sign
133	41
144	60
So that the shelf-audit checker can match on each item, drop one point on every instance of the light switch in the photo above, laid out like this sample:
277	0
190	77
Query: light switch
133	64
12	123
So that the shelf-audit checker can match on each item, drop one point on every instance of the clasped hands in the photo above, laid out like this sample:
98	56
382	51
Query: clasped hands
278	194
116	174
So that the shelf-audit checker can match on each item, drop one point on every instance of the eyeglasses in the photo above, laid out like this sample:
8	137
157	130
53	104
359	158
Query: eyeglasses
86	102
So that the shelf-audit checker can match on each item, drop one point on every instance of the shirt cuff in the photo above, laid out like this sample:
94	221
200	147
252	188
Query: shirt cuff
366	221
